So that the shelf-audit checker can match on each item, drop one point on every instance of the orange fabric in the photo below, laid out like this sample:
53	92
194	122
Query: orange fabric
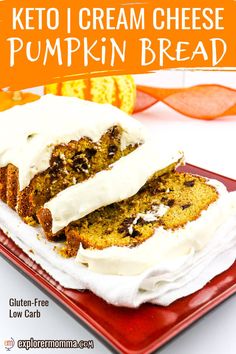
201	102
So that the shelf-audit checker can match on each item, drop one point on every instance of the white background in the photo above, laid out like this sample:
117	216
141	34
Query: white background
208	144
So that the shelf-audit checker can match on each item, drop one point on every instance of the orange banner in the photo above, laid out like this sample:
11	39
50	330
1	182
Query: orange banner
46	42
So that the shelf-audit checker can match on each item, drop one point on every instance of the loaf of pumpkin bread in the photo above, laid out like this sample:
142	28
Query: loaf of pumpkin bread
56	142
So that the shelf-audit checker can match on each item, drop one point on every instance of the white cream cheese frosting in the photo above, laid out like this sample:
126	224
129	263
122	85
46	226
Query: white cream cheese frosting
29	132
161	284
165	245
123	180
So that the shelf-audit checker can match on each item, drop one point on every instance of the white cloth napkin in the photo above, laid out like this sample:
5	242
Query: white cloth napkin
161	284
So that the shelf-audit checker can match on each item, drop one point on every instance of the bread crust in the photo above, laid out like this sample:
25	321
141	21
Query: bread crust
12	186
3	184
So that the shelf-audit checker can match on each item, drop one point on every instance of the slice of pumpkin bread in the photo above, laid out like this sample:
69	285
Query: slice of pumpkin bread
169	201
70	164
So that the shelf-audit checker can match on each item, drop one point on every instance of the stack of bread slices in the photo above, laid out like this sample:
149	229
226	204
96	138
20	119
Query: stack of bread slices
90	176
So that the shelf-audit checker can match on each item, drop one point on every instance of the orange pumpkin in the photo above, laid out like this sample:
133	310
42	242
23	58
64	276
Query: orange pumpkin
10	99
119	91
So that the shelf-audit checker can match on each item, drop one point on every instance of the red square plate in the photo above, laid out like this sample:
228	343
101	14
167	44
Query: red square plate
139	330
